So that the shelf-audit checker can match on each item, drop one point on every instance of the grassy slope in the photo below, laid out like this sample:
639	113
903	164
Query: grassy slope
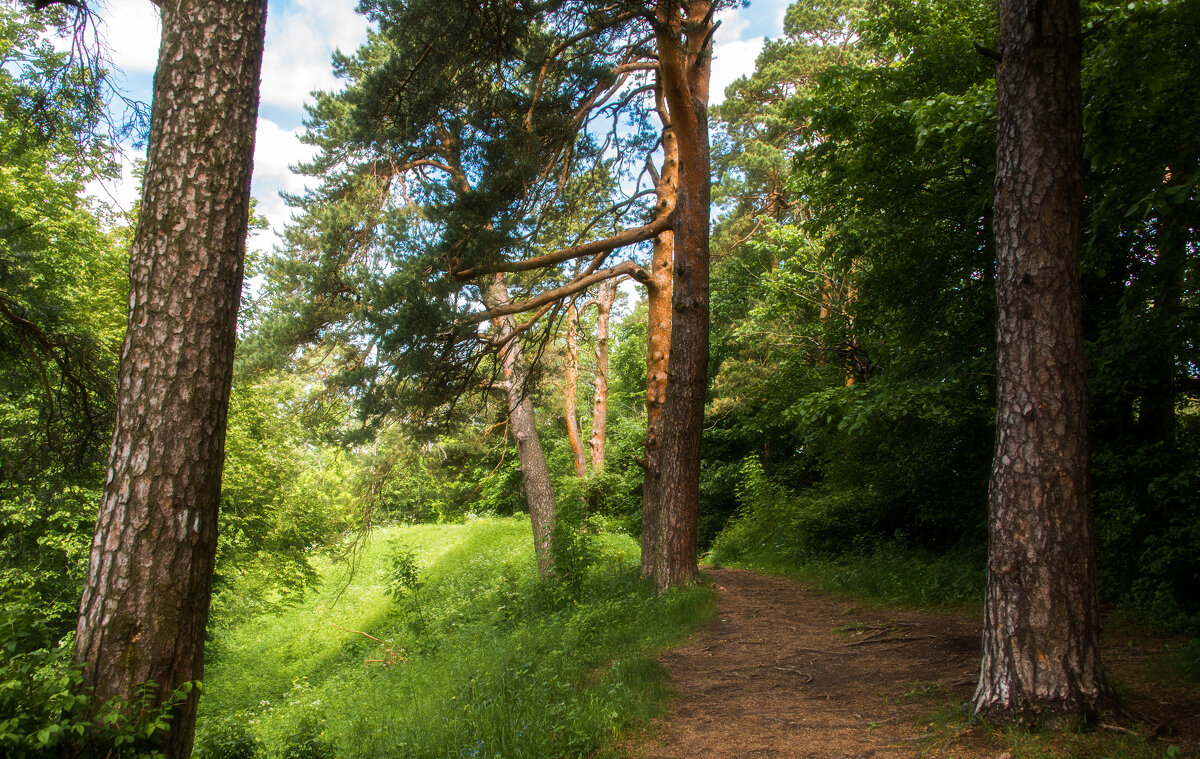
485	661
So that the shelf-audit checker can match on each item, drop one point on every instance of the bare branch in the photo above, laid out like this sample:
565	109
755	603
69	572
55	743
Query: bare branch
619	240
623	269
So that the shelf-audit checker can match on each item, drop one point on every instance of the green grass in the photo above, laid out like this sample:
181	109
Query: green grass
476	658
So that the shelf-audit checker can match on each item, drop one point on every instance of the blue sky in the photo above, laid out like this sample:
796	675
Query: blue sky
301	36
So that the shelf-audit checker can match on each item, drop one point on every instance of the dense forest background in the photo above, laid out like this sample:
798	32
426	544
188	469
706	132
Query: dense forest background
849	424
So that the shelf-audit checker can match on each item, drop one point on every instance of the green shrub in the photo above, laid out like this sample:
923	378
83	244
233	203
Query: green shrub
405	573
44	707
816	536
1188	659
230	738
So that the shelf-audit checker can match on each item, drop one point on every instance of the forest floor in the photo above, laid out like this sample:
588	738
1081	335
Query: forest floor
785	671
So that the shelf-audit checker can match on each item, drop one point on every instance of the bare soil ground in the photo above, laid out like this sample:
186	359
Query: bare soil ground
784	671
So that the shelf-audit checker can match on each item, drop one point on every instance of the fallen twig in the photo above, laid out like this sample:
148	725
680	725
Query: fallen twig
393	656
798	672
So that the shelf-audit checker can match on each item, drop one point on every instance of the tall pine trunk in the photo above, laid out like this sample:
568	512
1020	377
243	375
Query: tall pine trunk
658	341
684	42
604	303
1041	661
146	598
539	490
570	391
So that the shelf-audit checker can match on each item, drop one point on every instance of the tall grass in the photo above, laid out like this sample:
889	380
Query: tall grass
444	643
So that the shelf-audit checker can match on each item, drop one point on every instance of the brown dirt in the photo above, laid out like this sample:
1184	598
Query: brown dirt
784	671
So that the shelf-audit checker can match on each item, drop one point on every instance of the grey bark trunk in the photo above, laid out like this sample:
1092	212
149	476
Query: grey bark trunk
604	304
539	491
570	391
145	602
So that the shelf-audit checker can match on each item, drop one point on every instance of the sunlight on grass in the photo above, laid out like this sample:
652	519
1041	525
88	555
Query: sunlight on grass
475	658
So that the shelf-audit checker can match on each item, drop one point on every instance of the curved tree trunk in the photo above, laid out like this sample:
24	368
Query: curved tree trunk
145	602
539	491
1041	661
684	41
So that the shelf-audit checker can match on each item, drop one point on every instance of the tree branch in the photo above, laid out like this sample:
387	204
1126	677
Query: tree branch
619	240
987	52
625	268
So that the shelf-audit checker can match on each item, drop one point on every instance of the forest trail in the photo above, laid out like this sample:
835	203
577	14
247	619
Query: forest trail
783	671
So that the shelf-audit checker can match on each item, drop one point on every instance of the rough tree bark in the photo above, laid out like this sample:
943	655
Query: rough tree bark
604	299
658	340
1041	662
683	33
539	490
145	602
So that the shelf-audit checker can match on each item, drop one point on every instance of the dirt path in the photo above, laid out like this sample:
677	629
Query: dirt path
786	672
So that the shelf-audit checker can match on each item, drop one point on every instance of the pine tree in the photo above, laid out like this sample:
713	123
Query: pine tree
146	599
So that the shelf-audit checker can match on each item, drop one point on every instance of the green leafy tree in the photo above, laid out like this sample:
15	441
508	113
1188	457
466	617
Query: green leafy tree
1140	288
62	300
880	268
862	280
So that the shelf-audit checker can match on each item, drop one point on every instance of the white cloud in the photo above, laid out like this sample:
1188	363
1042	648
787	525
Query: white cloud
275	149
131	32
781	16
301	37
733	56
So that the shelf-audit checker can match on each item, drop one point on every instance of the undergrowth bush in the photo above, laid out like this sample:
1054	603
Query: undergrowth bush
816	536
44	706
476	657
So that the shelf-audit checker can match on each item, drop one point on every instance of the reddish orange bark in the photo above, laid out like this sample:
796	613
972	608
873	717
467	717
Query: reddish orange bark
658	342
684	41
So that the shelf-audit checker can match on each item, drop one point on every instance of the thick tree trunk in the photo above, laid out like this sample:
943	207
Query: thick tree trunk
658	343
604	304
574	435
539	491
145	603
685	55
1041	661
